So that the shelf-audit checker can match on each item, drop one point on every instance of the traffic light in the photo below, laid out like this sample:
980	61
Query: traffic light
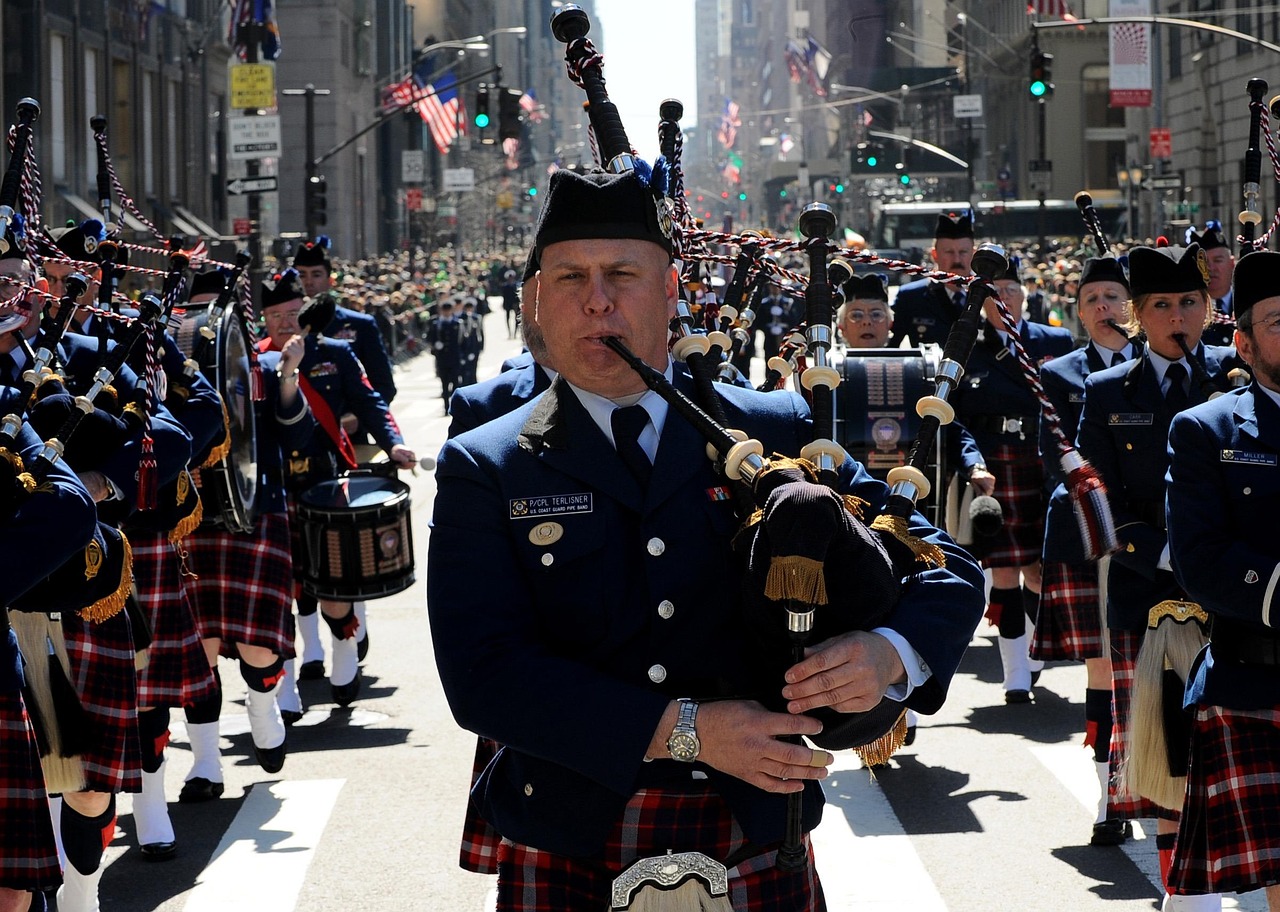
482	107
509	118
870	158
1040	84
742	197
315	200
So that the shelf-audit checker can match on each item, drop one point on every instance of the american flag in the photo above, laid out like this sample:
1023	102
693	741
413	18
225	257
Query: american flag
439	104
1050	9
532	110
244	12
729	124
732	170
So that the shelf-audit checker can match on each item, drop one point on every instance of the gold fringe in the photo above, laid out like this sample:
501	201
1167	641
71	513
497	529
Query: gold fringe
28	482
878	752
856	506
111	605
222	450
109	390
796	578
897	527
13	459
190	522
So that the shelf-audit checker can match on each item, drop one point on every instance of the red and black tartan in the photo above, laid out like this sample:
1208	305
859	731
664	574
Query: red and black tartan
1229	835
479	850
104	674
530	880
243	592
1019	474
177	672
1124	659
1069	622
28	854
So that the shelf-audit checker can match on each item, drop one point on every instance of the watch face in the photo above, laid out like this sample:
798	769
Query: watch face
683	746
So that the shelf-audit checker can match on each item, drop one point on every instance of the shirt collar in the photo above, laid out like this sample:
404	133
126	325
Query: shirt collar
1161	364
601	411
1275	396
1106	353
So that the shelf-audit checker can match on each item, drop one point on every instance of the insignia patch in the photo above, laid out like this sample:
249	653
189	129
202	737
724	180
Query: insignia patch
1251	577
551	505
345	333
1121	419
92	560
1075	397
90	244
546	534
324	369
885	433
389	543
1202	263
718	492
1248	458
184	486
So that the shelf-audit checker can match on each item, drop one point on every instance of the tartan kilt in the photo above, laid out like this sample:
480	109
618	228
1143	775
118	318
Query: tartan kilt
1069	623
1229	835
177	672
243	592
655	820
104	674
28	854
1019	487
1124	659
479	850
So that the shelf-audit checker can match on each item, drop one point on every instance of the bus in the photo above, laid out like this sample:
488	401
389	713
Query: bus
911	225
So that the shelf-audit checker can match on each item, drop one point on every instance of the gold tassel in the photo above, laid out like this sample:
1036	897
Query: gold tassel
222	450
28	482
897	527
111	605
878	752
190	522
797	578
855	505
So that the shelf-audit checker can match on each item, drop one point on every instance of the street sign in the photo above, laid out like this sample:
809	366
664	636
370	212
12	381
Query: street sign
413	199
253	85
458	180
412	166
242	227
1163	182
237	186
966	106
1161	142
254	137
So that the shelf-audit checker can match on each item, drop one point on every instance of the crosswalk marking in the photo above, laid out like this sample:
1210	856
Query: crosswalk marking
263	857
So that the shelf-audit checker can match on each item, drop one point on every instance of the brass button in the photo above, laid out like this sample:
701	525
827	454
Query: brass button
1128	446
657	674
1248	490
656	546
1130	548
548	559
666	609
528	789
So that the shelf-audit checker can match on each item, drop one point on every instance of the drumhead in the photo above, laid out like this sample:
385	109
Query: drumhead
354	492
235	382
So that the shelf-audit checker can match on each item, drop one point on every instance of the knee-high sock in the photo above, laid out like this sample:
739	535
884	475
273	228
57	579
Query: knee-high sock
1097	722
346	659
1030	604
151	811
1008	613
85	838
1164	851
265	722
209	708
153	732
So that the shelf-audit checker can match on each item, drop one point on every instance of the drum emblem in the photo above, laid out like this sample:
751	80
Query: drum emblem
389	542
886	432
546	534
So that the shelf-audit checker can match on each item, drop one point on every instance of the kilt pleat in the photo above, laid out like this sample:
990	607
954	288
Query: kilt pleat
243	591
1019	487
1229	834
104	674
655	820
479	850
177	671
1069	623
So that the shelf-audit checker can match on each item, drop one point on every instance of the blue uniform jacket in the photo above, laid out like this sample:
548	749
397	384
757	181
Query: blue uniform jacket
523	359
1124	433
1223	497
471	406
277	431
994	387
361	330
1063	381
923	312
550	648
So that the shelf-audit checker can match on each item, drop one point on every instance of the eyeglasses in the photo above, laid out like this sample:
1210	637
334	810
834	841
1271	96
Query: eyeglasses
875	316
1271	326
281	316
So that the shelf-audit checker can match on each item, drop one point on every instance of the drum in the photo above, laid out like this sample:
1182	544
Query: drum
228	487
357	538
876	419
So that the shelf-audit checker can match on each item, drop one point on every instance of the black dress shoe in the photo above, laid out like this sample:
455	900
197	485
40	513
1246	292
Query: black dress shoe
1017	696
1110	833
290	716
271	759
362	647
311	671
345	694
200	789
159	851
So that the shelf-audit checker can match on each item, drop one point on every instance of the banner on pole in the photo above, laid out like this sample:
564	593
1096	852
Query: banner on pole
1130	55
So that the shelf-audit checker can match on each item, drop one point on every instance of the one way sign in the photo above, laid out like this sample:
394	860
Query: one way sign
238	186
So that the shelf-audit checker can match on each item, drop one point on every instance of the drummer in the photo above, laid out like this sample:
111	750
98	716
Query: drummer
333	384
241	587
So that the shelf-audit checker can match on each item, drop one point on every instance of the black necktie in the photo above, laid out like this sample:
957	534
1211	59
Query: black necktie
1118	358
627	424
1176	396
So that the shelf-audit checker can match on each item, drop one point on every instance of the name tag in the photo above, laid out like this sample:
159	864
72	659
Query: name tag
551	505
1075	397
1248	458
1121	419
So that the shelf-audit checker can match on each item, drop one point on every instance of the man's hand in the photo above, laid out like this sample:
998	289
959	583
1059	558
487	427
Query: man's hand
96	483
291	354
850	673
983	481
403	457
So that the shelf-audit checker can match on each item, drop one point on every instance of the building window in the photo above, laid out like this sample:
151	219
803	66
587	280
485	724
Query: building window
93	105
148	135
56	112
1104	131
173	150
1244	24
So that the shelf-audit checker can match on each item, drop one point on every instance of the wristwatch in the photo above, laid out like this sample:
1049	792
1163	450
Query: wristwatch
683	745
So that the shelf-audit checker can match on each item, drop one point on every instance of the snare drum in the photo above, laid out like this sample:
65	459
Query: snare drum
876	419
357	538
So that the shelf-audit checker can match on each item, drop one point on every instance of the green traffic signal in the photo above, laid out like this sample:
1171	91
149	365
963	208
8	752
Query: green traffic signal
904	179
533	191
1038	88
839	188
482	120
742	197
872	161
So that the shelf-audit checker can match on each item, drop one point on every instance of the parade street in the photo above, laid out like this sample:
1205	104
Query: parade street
989	809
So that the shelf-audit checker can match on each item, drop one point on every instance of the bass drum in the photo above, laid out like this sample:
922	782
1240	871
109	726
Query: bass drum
876	419
229	481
